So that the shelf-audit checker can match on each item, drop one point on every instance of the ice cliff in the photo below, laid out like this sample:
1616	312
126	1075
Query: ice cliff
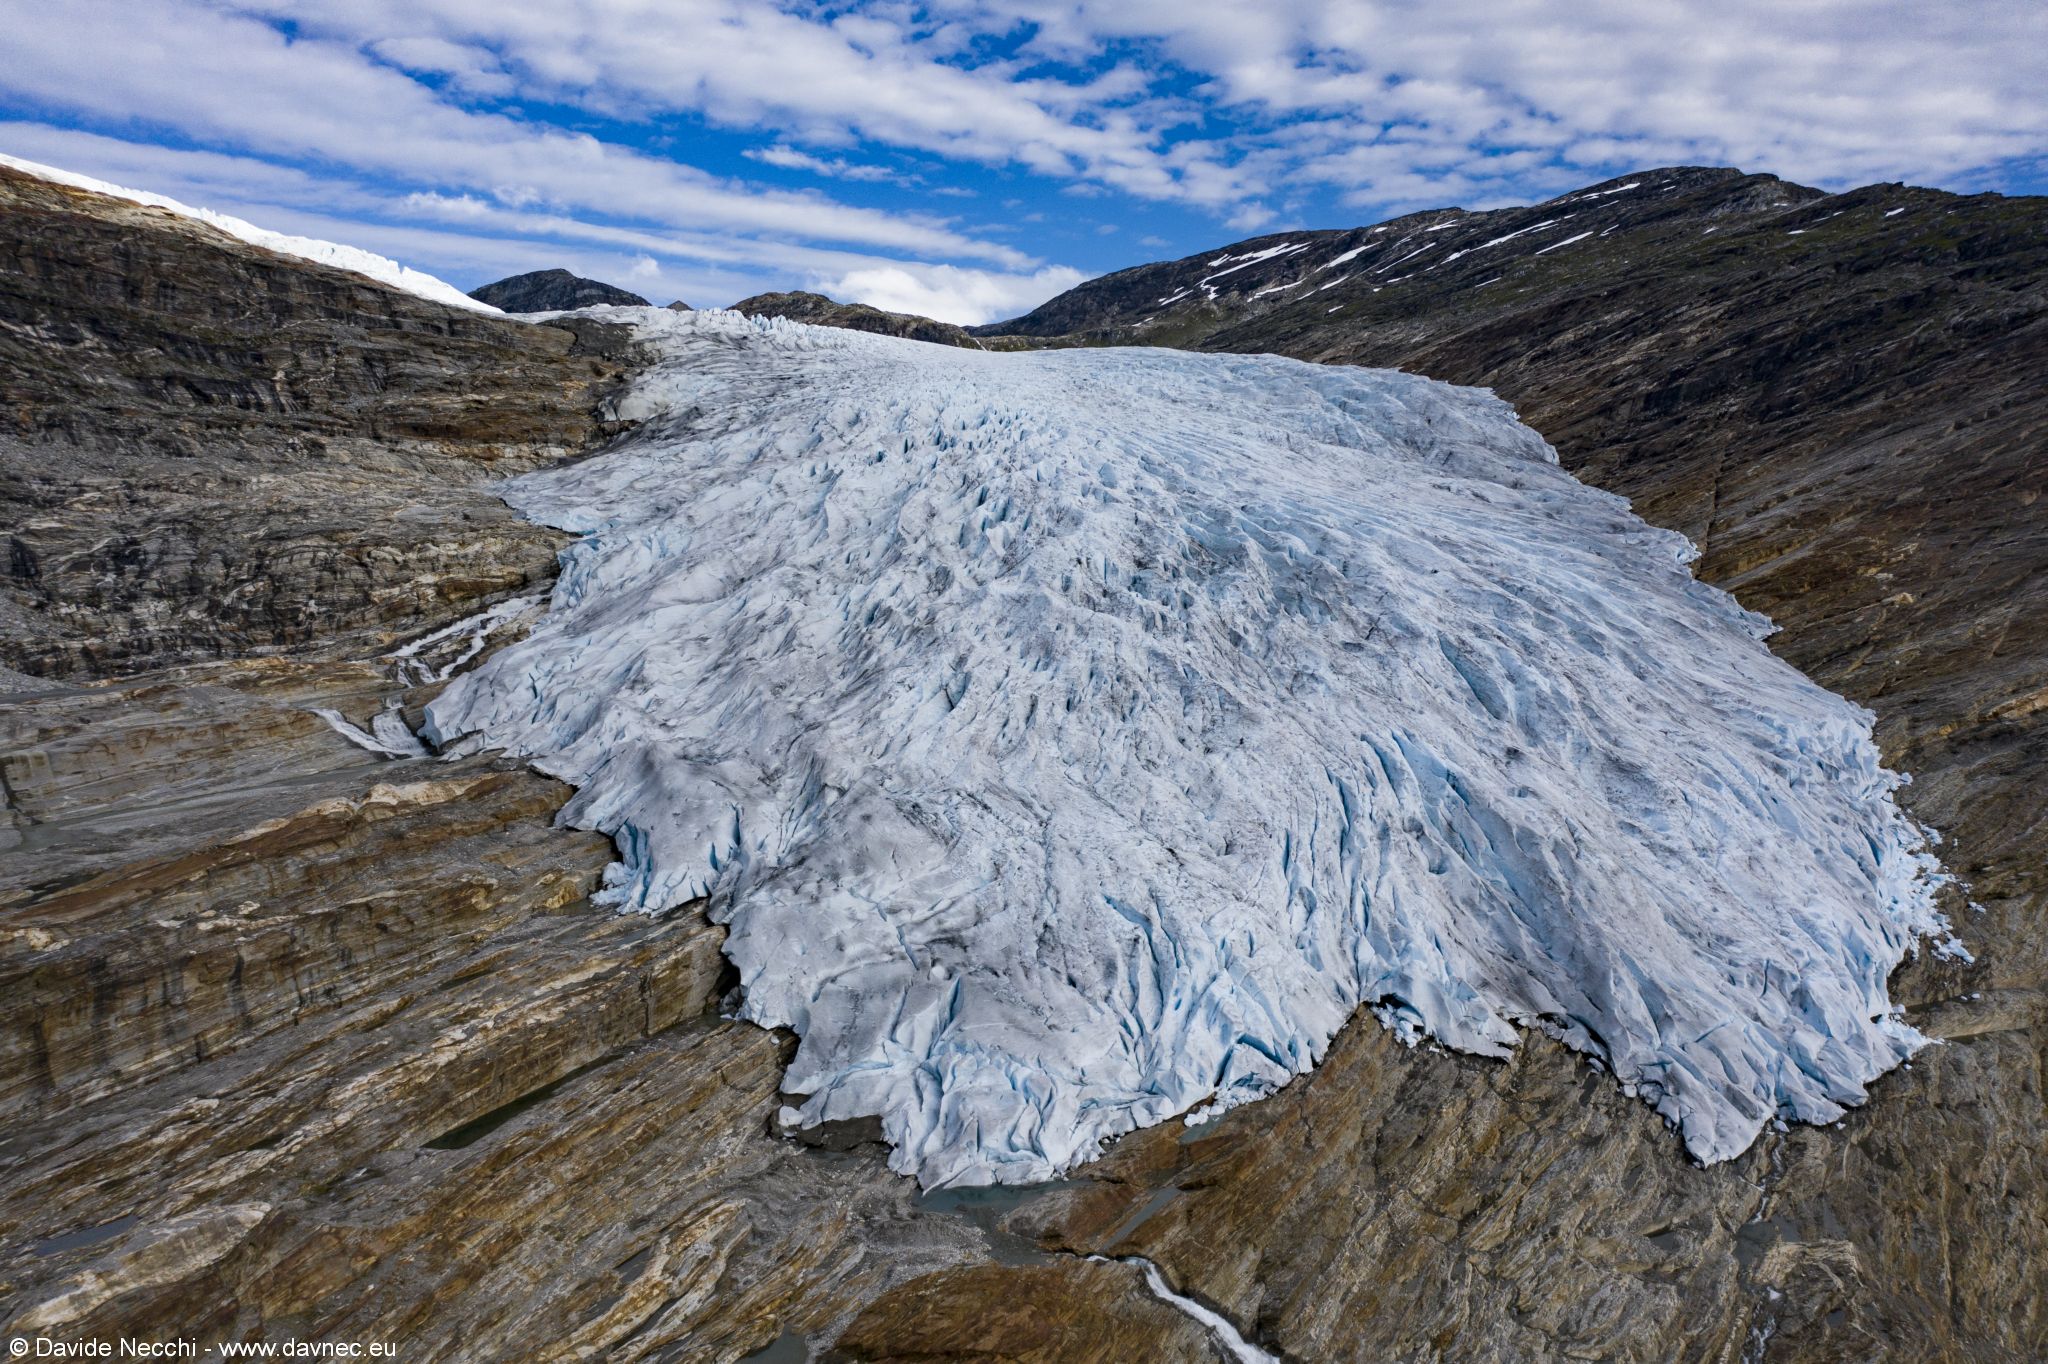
1075	739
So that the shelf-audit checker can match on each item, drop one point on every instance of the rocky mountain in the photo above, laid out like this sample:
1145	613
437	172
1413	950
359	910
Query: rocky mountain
302	1041
546	291
1422	262
821	311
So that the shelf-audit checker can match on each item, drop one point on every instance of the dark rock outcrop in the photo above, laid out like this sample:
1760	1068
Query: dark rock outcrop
547	291
821	311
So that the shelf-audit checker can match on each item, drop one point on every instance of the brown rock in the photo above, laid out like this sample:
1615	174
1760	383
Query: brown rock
1067	1312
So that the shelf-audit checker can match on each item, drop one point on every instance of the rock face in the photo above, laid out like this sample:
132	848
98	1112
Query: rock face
304	1043
213	450
821	311
547	291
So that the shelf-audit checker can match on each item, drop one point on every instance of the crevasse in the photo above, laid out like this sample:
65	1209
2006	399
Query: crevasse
1074	739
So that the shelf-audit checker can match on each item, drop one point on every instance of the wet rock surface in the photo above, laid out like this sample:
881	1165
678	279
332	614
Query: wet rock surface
303	1042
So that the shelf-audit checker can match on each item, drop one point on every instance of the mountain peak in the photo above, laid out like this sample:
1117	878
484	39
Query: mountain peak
547	291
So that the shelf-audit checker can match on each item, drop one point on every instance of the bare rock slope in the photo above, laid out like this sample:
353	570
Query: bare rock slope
213	450
298	1041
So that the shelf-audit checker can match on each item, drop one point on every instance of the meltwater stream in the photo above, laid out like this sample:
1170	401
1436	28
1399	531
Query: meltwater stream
1075	739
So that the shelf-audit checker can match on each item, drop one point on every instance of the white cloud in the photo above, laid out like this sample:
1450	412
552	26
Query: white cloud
1249	217
470	69
883	76
1831	91
950	293
791	158
479	241
236	81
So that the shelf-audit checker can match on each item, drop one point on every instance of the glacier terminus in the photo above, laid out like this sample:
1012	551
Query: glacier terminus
1072	740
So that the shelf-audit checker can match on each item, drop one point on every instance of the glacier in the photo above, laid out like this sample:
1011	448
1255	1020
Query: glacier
1072	740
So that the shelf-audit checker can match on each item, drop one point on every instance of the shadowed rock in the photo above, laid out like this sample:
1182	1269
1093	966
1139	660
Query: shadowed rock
546	291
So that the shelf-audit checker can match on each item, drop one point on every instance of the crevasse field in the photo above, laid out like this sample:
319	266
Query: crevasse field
1073	740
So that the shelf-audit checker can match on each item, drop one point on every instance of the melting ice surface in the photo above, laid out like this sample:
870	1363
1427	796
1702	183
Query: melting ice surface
1075	739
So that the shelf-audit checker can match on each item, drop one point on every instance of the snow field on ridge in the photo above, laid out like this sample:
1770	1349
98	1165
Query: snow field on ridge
353	258
1073	739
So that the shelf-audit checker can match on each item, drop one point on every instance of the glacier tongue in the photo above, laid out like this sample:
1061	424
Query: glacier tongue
1073	739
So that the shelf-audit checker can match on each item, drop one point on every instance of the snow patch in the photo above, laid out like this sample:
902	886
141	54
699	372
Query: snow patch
1252	258
1536	227
1566	242
387	733
1603	193
474	631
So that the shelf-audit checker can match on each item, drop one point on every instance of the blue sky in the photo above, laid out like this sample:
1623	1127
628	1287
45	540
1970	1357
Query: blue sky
970	158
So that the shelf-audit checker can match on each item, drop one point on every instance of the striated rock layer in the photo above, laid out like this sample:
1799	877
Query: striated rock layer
214	450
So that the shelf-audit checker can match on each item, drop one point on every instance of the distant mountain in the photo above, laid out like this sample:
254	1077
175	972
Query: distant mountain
547	291
821	311
1414	264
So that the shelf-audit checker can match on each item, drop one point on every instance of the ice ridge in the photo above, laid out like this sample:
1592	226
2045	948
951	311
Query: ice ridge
1074	739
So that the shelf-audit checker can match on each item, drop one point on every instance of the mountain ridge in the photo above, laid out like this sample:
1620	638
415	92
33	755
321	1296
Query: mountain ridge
1140	303
819	311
